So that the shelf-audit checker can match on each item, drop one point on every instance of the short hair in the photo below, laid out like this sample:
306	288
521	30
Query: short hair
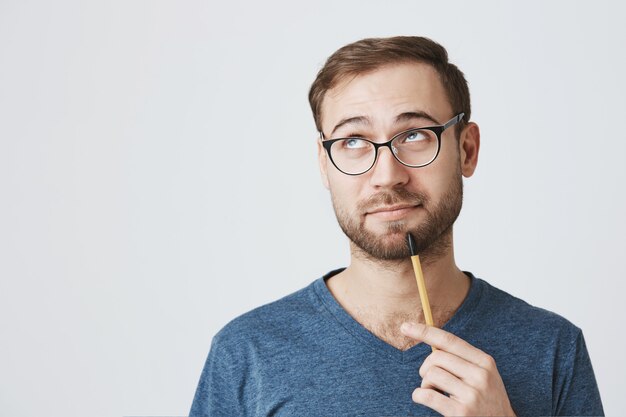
370	54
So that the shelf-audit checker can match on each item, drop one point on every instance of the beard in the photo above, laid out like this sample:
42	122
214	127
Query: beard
433	236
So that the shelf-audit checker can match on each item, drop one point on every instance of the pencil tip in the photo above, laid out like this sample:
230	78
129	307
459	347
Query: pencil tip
410	240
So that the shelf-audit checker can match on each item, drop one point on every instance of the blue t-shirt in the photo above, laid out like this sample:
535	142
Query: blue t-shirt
304	355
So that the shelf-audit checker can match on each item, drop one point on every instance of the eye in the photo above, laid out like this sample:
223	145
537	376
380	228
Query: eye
354	143
415	136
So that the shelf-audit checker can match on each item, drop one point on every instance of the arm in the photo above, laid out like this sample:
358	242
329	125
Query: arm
220	389
575	389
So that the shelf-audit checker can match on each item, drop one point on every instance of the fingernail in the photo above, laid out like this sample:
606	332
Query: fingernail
406	327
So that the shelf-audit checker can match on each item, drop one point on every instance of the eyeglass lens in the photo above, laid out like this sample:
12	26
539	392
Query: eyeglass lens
415	148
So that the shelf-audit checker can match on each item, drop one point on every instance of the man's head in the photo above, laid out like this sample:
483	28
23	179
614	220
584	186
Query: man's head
370	54
375	89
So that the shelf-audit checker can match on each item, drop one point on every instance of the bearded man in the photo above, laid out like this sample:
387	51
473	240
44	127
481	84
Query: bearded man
395	141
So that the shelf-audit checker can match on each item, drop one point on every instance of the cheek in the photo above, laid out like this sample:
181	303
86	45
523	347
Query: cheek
441	182
435	179
344	189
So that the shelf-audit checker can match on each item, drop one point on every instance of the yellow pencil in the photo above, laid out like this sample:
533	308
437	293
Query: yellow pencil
419	277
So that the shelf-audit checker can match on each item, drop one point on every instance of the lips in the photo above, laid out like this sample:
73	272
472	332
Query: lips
389	209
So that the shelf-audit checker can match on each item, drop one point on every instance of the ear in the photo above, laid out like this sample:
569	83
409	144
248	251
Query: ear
469	145
322	159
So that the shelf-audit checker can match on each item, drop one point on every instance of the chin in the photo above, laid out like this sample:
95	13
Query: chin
391	229
391	238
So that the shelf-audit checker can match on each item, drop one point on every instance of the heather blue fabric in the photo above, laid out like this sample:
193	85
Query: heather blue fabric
304	355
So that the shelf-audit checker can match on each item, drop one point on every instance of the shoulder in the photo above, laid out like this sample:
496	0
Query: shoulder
270	322
508	306
244	350
506	311
540	355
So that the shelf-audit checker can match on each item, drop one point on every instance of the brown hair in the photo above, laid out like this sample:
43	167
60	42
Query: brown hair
370	54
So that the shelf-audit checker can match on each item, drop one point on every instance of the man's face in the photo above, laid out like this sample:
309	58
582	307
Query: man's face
376	209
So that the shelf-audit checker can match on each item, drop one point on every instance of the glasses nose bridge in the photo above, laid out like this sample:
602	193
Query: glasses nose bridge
387	144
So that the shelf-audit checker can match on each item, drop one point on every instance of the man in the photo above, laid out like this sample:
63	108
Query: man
395	141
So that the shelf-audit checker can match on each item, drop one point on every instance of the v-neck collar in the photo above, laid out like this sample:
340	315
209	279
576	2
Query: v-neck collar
455	324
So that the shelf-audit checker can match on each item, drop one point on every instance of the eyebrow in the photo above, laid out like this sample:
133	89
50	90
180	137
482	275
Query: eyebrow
403	117
408	116
357	120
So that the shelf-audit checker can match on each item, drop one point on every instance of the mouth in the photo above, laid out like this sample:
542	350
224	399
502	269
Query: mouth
392	212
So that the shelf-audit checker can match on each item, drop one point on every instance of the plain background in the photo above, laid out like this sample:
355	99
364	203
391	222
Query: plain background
158	177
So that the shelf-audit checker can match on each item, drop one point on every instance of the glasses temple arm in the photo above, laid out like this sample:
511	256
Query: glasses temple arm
456	119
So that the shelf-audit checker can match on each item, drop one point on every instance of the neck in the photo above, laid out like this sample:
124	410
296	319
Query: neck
385	292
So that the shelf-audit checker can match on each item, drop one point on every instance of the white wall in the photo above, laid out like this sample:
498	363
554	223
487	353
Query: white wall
132	230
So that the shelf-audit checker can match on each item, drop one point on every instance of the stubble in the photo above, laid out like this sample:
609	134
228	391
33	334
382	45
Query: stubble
433	235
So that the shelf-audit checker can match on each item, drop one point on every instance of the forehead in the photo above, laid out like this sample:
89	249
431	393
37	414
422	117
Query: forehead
383	94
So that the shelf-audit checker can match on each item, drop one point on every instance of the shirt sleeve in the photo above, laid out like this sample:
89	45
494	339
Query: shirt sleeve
576	390
220	390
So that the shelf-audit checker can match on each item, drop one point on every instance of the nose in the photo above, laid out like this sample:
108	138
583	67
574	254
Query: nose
388	172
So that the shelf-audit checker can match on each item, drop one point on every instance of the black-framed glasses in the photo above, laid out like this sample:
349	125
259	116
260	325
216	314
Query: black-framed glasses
414	148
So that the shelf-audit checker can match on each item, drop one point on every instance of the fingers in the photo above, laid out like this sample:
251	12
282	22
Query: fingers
442	380
446	341
435	400
460	368
467	374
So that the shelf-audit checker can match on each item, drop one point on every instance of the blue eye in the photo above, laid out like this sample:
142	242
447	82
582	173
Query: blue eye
355	143
415	136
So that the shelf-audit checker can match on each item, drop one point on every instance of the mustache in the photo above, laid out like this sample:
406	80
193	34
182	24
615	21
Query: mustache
392	197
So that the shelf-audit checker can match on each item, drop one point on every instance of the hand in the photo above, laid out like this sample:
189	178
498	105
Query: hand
466	373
